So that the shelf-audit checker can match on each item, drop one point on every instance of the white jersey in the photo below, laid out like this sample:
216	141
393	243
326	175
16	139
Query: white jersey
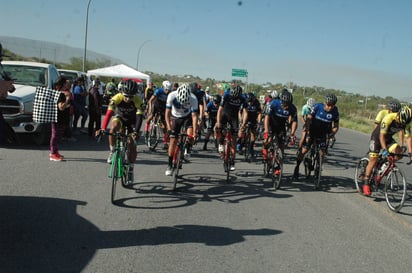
181	110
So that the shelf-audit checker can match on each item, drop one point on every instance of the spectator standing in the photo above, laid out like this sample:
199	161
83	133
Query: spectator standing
95	108
63	117
79	94
68	132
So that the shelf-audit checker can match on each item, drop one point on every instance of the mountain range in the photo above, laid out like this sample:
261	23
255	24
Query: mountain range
58	53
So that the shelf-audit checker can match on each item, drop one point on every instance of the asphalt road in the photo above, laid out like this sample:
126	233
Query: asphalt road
57	216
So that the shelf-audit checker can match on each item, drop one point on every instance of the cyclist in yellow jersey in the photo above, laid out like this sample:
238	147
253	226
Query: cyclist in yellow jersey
382	142
392	107
128	108
408	136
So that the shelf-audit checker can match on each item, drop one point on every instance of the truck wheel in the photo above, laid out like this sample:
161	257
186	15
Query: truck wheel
43	137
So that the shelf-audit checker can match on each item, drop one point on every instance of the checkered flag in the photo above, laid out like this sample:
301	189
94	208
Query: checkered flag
45	105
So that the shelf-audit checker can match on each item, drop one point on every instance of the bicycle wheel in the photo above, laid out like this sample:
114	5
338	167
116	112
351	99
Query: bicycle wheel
115	172
125	183
247	146
307	162
153	139
277	170
226	161
360	173
317	172
395	189
177	161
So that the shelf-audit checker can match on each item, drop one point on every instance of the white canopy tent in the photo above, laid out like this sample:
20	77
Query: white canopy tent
119	71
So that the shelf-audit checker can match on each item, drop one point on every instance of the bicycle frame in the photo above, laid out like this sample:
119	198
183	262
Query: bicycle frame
395	186
178	154
228	153
246	140
120	165
274	161
313	161
155	132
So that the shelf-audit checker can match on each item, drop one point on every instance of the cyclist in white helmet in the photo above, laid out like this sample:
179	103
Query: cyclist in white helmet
181	110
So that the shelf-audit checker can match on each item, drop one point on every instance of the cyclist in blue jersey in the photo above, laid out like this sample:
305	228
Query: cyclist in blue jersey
232	101
211	115
321	123
279	112
201	99
254	111
157	105
181	109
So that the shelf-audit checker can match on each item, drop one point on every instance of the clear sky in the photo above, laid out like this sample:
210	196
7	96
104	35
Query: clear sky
360	46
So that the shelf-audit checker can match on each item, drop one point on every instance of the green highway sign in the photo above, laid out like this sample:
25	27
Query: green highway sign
239	72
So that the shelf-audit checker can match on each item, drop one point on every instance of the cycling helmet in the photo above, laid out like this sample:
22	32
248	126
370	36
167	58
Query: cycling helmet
236	91
310	102
331	99
167	85
274	94
285	97
183	93
217	99
405	115
250	97
394	106
129	88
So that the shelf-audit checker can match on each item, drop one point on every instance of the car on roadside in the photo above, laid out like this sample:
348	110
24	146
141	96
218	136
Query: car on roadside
18	107
73	75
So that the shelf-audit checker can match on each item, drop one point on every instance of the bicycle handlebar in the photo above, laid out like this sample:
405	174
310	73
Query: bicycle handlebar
115	134
402	155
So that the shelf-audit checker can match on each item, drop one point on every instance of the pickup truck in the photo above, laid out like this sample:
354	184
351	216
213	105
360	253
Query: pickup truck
18	107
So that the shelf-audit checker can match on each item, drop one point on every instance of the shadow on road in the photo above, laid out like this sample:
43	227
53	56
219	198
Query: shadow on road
47	235
197	187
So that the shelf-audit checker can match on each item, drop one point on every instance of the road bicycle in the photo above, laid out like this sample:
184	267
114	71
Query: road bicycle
290	141
178	154
119	166
386	177
259	131
228	153
273	164
246	143
155	134
313	162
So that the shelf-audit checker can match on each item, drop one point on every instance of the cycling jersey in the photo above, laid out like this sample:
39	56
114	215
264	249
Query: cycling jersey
279	116
388	126
200	95
127	111
321	120
179	110
253	108
211	109
160	101
148	93
381	115
306	111
231	105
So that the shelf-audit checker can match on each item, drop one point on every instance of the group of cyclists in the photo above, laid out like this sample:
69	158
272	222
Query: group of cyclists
186	105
